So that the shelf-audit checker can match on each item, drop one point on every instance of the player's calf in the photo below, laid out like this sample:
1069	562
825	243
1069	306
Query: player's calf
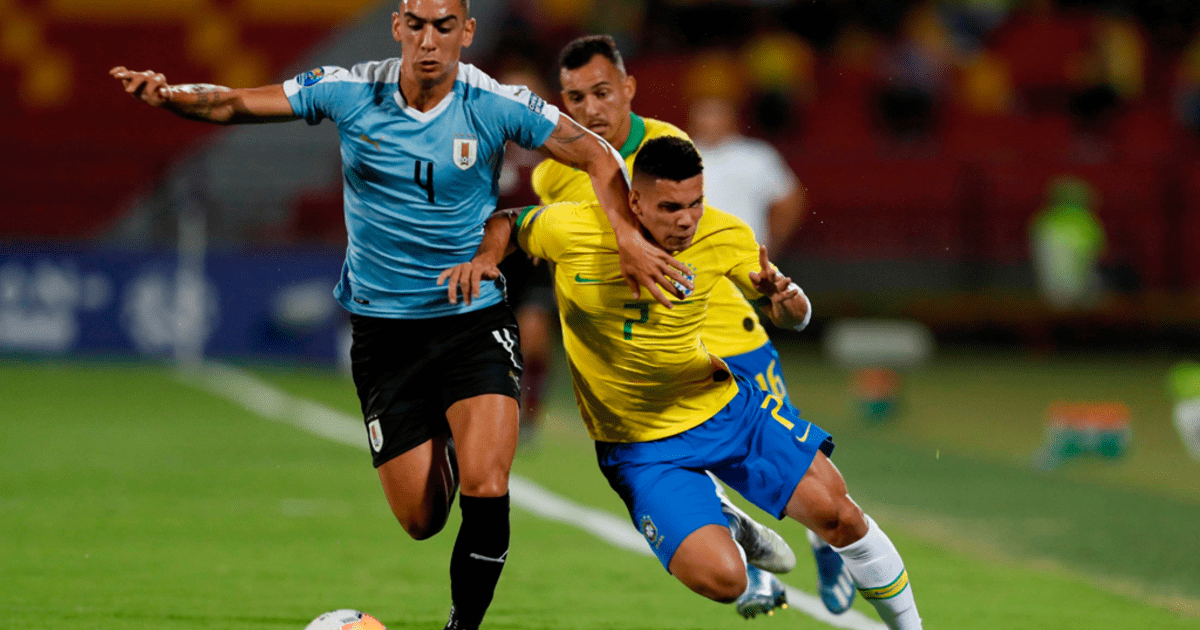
821	503
881	577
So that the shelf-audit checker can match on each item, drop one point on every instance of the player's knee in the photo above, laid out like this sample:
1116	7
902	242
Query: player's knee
726	585
720	581
425	523
424	527
492	484
842	523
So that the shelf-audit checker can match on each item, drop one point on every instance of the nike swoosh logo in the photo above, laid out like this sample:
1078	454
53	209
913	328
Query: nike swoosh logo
499	560
581	280
805	437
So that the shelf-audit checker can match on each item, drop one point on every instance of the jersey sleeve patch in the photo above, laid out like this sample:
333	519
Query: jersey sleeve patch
311	78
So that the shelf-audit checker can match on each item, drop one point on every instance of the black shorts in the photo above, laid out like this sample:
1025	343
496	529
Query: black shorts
409	371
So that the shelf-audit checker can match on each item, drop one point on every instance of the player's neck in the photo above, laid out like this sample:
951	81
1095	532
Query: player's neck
622	136
425	97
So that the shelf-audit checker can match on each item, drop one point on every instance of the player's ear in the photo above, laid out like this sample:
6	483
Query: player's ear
630	87
634	198
468	35
396	24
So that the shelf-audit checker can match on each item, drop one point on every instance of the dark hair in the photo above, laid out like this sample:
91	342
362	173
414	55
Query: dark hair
668	157
579	52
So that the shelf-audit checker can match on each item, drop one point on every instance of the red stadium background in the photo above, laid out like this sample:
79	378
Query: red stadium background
925	132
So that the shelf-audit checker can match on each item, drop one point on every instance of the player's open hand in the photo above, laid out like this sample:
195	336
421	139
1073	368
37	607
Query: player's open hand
780	289
467	277
646	265
148	86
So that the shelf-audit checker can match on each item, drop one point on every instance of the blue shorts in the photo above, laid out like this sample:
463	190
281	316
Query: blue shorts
755	444
762	367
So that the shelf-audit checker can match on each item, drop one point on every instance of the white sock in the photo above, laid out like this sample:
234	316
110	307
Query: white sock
879	573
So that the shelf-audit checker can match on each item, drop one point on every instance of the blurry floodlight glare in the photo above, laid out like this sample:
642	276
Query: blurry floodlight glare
878	342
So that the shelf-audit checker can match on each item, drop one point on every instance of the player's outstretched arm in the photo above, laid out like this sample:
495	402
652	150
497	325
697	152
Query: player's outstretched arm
497	244
642	263
208	103
789	307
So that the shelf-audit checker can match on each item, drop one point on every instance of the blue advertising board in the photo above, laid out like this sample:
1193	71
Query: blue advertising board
260	304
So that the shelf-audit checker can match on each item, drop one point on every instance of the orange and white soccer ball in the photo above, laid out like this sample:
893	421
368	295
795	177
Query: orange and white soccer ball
345	619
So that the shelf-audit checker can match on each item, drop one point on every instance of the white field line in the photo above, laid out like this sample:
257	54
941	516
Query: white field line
272	403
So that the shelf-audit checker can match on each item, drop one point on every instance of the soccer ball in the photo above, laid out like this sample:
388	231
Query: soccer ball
345	619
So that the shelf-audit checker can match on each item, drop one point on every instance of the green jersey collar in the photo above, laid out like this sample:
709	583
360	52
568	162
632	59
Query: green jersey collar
637	133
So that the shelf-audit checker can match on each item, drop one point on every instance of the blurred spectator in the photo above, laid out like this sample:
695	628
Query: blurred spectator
781	67
1109	74
970	22
1066	241
985	85
743	176
714	73
1042	47
1187	88
912	71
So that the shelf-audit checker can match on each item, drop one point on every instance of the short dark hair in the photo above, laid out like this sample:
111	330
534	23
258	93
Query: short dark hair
668	157
579	52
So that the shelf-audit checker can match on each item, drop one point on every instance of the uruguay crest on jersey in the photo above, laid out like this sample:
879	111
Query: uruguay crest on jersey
465	150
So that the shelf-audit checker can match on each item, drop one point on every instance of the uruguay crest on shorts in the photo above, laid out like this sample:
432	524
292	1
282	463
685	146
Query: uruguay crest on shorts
465	150
375	432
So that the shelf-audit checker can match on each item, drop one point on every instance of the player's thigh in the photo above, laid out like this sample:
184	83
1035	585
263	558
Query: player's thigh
665	502
822	503
537	329
775	448
391	367
480	383
419	487
762	368
485	438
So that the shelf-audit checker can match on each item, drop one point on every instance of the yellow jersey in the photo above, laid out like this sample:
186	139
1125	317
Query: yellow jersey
733	326
640	370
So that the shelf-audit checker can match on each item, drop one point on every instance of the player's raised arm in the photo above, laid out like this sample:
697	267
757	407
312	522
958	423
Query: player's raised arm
788	306
208	103
642	263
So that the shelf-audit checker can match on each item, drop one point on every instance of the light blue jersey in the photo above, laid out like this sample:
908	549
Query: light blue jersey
418	186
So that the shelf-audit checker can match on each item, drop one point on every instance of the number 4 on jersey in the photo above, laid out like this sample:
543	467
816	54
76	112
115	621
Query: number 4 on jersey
428	184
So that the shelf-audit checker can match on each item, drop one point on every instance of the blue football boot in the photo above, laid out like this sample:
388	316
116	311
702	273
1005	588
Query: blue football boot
764	593
834	583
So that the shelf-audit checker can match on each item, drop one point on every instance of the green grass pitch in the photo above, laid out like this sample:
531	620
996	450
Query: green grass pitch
129	500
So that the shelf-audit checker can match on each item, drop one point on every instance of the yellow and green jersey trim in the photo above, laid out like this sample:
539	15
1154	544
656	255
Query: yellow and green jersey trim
887	592
637	133
524	215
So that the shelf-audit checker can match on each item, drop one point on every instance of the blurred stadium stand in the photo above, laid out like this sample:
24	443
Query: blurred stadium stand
926	131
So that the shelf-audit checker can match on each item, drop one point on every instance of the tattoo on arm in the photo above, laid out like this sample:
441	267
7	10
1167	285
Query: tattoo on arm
568	131
208	98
